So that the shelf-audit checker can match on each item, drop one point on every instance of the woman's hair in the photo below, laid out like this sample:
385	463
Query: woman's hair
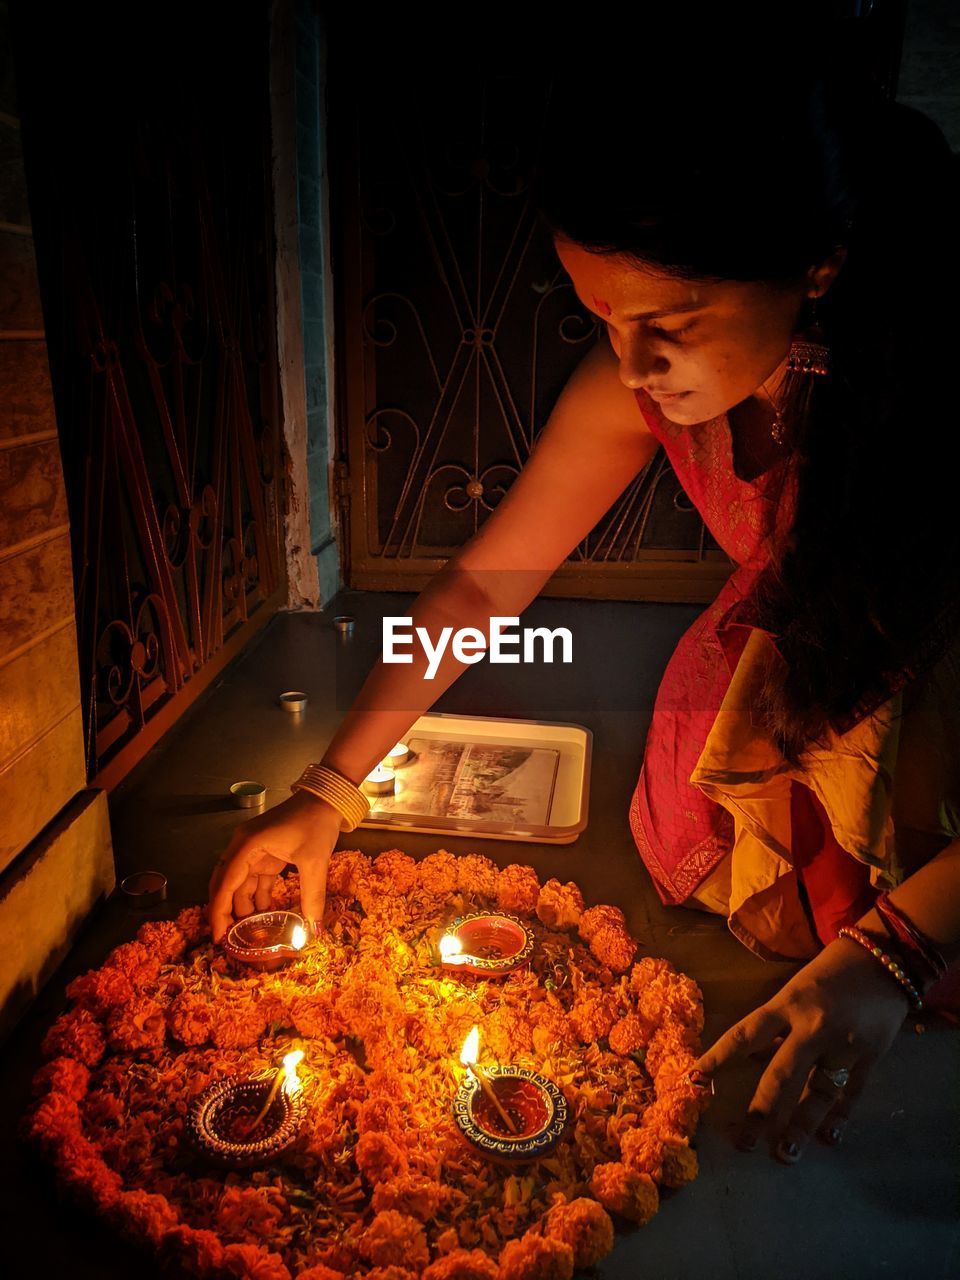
715	165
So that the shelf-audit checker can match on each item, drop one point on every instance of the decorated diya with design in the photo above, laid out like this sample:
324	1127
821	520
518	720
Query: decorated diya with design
485	943
244	1124
534	1106
267	940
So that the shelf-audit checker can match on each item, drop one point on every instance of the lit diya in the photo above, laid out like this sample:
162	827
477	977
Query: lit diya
268	940
509	1113
489	944
242	1124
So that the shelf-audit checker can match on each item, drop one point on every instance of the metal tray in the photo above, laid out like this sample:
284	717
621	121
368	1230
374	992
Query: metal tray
569	801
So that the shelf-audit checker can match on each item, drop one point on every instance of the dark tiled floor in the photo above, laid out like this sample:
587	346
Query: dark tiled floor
884	1204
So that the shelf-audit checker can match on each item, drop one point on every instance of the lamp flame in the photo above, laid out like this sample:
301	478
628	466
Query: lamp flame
451	948
298	939
291	1081
471	1048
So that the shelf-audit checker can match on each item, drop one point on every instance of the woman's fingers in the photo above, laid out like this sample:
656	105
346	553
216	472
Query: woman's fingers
313	886
228	878
779	1090
831	1129
753	1034
820	1096
243	903
263	898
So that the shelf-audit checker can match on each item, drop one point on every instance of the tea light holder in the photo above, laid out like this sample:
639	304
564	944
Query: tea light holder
397	756
268	940
344	623
293	701
249	795
215	1122
144	889
486	943
380	781
536	1106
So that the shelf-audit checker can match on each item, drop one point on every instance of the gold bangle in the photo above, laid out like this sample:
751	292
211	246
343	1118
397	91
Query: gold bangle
888	962
339	792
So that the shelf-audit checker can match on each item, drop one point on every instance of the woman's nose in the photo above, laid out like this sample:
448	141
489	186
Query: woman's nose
638	362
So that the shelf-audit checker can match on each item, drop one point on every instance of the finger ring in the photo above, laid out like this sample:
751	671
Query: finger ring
839	1077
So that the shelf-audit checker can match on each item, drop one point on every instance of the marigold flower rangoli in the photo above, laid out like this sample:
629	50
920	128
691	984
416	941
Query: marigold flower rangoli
379	1183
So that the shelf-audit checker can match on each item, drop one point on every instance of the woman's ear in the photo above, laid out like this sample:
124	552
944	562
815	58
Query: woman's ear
822	277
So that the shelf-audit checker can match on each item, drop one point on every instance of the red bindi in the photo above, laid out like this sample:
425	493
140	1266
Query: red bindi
603	307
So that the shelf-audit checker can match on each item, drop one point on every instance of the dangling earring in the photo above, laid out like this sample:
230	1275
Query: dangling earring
808	359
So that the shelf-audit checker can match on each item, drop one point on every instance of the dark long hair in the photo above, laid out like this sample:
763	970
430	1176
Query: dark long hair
724	167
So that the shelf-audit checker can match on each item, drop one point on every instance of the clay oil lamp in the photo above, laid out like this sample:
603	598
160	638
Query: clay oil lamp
510	1114
245	1124
267	940
485	943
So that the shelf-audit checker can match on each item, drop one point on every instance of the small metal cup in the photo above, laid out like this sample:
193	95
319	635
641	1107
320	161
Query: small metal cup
293	701
344	623
249	795
143	889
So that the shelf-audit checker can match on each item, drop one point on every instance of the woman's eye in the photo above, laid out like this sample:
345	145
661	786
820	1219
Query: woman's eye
672	334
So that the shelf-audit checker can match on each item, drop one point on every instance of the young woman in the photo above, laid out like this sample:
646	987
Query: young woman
774	265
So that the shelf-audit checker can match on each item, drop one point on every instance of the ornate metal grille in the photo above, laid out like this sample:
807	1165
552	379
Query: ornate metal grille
458	327
152	216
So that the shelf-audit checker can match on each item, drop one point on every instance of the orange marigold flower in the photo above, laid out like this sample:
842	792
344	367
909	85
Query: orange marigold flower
560	906
632	1195
379	1157
194	925
65	1076
314	1015
101	990
680	1164
319	1272
248	1213
641	1150
135	962
285	894
57	1117
381	1115
477	875
536	1257
628	1034
393	1238
551	1026
349	869
675	1113
237	1024
585	1226
437	873
76	1034
670	997
192	1252
82	1171
391	1273
144	1216
396	871
669	1042
409	1193
462	1264
251	1262
164	939
593	1014
518	889
613	947
189	1018
600	917
139	1027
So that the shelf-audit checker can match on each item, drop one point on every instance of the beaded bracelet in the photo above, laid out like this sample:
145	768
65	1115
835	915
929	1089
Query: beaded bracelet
857	935
338	791
902	929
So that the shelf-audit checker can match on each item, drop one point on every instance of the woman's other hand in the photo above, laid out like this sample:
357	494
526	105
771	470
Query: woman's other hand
827	1026
302	830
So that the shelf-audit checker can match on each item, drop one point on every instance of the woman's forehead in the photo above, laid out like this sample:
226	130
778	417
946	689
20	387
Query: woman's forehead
609	283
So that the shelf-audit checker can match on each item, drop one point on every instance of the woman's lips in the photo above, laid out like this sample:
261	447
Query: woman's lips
666	395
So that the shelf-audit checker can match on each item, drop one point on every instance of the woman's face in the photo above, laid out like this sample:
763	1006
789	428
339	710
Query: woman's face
697	349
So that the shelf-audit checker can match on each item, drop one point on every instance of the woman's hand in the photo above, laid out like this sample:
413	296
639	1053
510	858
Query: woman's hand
302	830
836	1017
